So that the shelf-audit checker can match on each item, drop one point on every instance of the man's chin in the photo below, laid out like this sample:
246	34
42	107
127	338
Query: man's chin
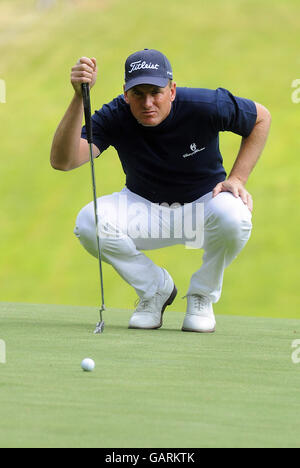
149	122
148	125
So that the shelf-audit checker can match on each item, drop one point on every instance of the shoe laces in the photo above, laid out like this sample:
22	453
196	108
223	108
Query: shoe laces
200	302
141	305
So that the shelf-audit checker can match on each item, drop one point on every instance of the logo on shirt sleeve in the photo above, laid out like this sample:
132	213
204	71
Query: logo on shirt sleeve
194	150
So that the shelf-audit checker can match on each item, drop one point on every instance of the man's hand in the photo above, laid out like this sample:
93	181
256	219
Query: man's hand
236	187
85	71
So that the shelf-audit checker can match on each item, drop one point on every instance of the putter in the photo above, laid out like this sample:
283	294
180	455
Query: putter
88	124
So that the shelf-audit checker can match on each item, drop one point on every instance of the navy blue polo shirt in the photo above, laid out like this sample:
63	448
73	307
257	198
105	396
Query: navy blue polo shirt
178	160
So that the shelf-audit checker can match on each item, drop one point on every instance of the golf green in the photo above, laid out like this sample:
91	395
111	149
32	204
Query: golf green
163	388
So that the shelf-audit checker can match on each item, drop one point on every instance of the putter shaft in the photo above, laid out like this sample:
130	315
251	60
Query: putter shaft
88	122
97	230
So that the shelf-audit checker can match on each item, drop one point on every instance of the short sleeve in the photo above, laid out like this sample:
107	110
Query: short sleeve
235	114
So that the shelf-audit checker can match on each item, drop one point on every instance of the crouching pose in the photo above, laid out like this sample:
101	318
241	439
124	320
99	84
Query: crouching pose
177	190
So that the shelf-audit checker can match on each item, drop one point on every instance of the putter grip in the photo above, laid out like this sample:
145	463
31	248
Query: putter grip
87	111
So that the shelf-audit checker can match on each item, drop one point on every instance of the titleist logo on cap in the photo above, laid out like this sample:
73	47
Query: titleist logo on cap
139	65
148	66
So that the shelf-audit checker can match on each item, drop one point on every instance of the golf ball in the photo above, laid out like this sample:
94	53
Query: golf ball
88	365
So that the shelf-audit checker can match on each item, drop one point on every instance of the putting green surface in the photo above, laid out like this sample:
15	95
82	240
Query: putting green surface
161	388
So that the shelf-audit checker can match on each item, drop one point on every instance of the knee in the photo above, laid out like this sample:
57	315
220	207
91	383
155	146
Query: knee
112	240
236	227
85	229
232	217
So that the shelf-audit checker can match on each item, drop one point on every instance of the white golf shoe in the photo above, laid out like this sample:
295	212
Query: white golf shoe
149	312
199	316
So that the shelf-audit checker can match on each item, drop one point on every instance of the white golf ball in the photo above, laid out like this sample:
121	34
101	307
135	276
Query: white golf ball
88	365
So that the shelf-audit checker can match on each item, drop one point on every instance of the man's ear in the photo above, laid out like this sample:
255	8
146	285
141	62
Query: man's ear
173	91
125	95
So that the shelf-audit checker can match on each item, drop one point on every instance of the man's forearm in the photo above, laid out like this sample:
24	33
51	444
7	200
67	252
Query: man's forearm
66	142
252	147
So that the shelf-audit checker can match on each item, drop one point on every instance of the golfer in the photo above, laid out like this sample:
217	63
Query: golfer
176	190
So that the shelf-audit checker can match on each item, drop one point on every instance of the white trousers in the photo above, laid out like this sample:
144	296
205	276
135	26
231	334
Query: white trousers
130	224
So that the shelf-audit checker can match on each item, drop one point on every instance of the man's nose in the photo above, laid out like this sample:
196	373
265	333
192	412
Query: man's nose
148	101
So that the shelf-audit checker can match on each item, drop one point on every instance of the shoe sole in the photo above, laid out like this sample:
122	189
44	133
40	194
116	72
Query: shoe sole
166	304
198	331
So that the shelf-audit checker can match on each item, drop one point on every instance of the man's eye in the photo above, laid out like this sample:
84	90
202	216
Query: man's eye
136	92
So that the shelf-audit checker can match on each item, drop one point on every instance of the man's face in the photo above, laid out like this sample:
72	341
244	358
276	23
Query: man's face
149	104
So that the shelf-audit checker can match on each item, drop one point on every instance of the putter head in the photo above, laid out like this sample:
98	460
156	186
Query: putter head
99	328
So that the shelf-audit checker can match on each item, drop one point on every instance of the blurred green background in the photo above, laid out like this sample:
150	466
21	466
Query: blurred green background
250	47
